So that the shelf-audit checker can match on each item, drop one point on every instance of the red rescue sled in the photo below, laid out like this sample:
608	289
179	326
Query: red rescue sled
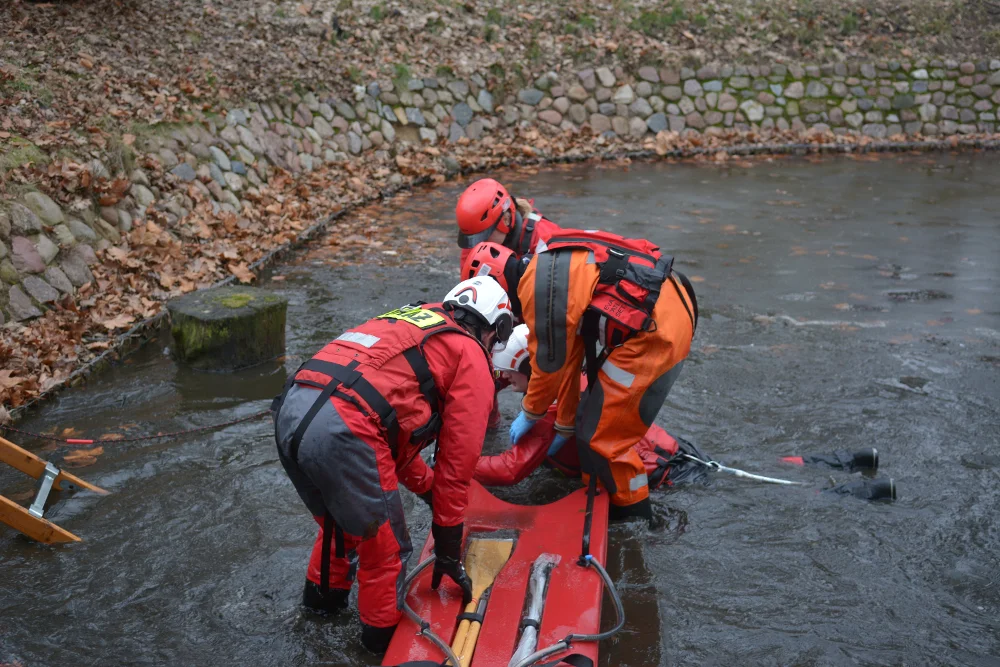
574	593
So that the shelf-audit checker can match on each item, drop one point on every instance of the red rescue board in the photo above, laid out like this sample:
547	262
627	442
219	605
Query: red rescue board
573	600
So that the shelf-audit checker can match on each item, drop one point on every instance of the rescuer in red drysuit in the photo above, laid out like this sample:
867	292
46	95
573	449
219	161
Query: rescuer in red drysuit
543	444
350	426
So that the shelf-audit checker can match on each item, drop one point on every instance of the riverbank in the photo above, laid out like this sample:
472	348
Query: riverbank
130	175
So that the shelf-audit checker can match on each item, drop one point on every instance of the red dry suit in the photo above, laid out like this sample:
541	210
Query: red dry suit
529	229
350	426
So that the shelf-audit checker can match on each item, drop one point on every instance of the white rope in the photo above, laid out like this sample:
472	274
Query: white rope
715	466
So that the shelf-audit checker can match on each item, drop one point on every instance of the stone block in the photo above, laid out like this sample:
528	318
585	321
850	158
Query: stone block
20	306
636	127
43	207
656	122
530	96
817	89
672	93
606	78
795	90
727	102
550	116
600	123
648	73
692	88
228	328
23	220
39	290
620	125
753	110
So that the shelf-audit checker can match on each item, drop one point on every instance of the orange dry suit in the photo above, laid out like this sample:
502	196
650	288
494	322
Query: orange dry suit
587	290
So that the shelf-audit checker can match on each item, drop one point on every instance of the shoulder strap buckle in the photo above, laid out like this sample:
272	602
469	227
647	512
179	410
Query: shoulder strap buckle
613	269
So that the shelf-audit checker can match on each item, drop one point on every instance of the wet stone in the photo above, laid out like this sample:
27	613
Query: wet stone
636	127
25	256
485	100
228	328
649	74
656	122
795	90
184	172
600	123
462	113
23	220
530	96
20	305
39	290
46	209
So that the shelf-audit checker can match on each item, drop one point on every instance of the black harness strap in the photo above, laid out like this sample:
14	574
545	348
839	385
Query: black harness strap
349	378
324	396
429	389
529	623
689	288
613	270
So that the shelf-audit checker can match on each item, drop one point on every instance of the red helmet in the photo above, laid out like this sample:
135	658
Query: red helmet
480	211
489	259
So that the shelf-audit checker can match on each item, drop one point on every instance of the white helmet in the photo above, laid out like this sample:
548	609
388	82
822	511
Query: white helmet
511	356
485	301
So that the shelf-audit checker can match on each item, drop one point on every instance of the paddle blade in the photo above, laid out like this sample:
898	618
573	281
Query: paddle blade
484	559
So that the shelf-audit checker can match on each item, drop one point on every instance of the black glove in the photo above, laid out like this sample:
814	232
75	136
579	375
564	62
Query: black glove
427	497
448	559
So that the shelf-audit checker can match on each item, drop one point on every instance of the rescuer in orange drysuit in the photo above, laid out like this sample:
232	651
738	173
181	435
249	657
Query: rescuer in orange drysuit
591	290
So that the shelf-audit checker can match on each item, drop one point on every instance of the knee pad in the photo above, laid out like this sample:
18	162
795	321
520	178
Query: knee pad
324	602
375	639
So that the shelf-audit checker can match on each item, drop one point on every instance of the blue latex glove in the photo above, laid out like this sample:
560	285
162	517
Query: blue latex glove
557	444
521	425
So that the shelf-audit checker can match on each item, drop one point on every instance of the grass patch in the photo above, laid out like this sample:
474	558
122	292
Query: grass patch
849	24
354	72
20	152
496	17
377	12
444	72
655	23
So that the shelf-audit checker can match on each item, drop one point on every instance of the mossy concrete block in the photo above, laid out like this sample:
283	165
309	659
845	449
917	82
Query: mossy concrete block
228	328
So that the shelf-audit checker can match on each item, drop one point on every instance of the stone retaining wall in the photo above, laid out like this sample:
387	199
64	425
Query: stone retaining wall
46	252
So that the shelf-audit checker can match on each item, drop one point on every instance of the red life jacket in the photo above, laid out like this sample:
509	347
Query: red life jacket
403	331
632	272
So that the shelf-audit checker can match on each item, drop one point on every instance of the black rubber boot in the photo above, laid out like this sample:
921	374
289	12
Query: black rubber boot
316	601
375	639
634	512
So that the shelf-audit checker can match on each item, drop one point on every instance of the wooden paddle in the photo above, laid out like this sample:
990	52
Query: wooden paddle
483	562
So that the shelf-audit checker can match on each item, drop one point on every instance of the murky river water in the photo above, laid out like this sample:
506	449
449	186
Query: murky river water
845	303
